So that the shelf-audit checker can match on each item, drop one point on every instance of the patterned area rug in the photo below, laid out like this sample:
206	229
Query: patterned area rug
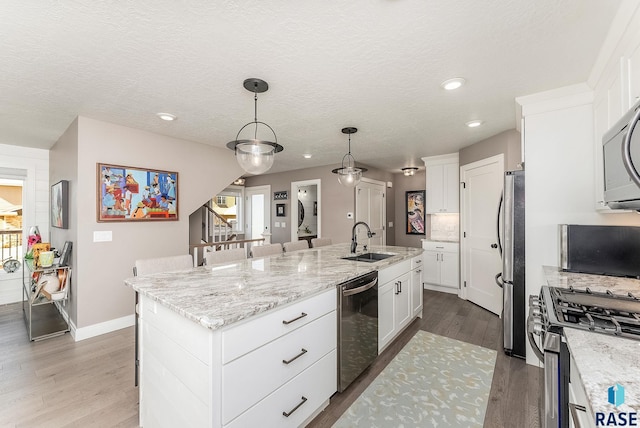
434	381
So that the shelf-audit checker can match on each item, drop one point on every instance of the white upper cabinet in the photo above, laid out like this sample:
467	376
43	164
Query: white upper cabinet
443	184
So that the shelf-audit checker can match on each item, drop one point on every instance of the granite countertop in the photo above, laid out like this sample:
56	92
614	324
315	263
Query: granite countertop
218	295
557	278
602	360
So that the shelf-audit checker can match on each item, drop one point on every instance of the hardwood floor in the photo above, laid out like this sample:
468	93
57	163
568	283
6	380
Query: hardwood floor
61	383
513	400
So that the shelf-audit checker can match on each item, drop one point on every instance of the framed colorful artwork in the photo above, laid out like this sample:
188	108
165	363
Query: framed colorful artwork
415	212
136	194
60	204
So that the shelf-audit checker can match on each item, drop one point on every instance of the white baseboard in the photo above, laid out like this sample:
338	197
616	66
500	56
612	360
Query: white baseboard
101	328
440	288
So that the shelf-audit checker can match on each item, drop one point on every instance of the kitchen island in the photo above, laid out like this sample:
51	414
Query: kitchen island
213	337
600	361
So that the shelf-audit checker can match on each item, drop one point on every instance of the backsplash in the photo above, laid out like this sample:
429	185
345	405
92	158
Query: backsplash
444	227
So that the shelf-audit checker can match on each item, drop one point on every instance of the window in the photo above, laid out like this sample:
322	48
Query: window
10	220
229	205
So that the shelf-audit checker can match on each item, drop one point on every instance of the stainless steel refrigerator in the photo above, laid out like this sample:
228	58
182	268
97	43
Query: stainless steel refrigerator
511	230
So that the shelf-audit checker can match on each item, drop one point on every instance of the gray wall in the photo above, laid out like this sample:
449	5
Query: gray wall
401	185
99	268
507	142
336	201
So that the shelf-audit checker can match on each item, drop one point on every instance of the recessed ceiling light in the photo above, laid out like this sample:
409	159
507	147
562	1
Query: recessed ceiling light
166	116
451	84
474	123
307	156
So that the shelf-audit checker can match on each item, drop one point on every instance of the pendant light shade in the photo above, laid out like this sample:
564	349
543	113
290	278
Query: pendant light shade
255	155
349	175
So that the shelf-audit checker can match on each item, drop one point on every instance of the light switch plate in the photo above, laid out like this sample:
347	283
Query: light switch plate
277	224
283	224
102	236
390	224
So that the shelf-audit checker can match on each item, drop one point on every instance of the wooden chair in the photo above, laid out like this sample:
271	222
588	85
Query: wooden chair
266	250
320	242
295	245
148	267
222	256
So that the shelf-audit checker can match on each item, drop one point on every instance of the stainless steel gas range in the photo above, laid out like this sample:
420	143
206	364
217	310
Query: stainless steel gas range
558	308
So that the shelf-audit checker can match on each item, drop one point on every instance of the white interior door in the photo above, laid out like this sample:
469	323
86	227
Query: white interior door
483	182
257	212
371	208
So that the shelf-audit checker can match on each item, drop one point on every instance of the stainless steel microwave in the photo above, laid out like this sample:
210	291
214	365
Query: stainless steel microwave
621	155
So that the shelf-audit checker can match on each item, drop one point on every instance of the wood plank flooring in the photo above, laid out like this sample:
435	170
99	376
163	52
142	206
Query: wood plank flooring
61	383
513	400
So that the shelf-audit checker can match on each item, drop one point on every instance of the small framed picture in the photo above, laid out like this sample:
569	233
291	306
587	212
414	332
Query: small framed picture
65	255
60	204
415	212
280	210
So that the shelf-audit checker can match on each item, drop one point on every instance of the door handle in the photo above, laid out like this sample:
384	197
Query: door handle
499	281
626	149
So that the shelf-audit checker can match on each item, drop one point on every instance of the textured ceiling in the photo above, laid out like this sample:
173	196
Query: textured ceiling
375	65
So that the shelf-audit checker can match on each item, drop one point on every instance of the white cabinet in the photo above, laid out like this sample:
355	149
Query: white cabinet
416	287
441	265
394	302
276	369
443	184
579	414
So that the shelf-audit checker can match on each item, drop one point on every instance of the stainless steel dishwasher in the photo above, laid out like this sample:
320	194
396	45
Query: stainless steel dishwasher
357	327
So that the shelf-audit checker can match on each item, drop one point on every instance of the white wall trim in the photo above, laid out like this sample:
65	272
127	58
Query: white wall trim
83	333
556	99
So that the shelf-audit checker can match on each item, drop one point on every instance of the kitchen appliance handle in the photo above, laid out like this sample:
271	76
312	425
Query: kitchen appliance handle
498	223
499	281
574	408
507	251
626	149
532	342
360	289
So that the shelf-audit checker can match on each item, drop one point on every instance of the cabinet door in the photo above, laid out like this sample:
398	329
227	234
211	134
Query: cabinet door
634	76
449	270
402	301
431	267
451	188
416	292
386	316
435	189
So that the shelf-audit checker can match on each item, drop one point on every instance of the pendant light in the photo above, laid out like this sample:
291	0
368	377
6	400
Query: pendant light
349	175
255	155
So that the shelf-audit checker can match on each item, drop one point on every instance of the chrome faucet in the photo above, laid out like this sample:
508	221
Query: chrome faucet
354	242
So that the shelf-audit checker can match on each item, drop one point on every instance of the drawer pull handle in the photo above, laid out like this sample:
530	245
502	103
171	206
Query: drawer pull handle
304	399
302	352
302	315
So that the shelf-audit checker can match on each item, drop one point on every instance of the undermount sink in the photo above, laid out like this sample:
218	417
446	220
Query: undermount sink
369	257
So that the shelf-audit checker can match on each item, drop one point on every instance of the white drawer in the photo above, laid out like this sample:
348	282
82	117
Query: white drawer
443	247
416	262
257	331
265	367
312	388
387	274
